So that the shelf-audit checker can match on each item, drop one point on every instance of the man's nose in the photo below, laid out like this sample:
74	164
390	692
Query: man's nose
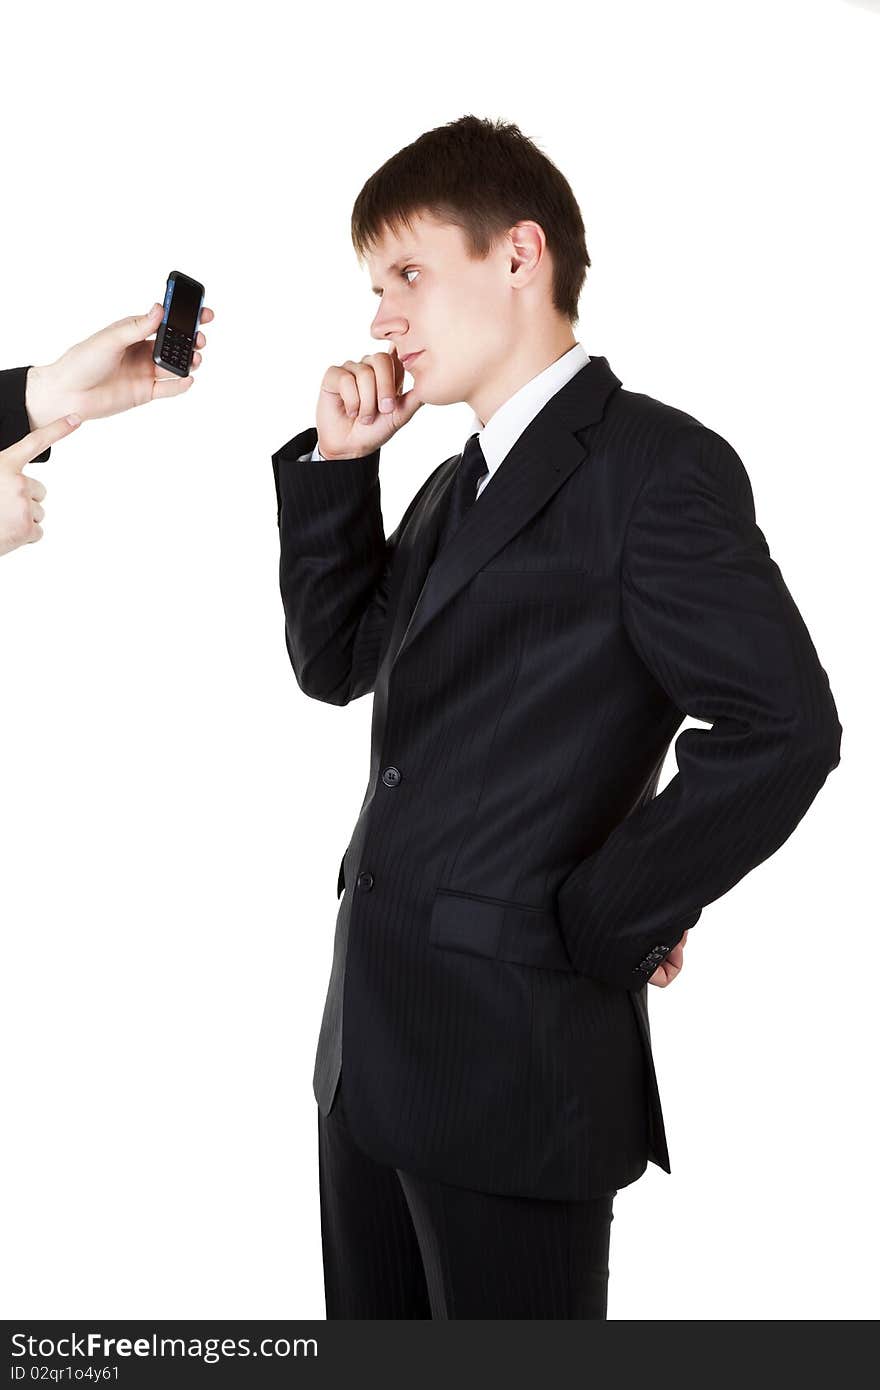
388	324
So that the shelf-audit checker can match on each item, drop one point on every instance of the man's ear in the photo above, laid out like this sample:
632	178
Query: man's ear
528	244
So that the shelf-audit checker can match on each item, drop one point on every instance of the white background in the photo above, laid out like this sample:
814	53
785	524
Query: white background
174	809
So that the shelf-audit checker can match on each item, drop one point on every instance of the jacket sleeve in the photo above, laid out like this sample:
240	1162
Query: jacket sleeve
335	568
707	610
14	423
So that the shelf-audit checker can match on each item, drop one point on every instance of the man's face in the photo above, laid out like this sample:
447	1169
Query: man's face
456	312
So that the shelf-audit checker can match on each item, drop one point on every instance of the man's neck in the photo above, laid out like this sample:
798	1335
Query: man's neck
527	362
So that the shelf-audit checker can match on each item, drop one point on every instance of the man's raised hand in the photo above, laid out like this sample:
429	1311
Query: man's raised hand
360	406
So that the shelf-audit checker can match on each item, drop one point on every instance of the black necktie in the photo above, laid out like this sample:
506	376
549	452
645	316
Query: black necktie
463	492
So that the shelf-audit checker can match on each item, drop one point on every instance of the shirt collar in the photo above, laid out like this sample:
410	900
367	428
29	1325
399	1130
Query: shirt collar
498	435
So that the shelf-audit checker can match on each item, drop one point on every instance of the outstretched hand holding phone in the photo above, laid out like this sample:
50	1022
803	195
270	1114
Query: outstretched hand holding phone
360	406
111	371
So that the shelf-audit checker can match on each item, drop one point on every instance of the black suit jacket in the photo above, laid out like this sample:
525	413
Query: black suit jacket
513	878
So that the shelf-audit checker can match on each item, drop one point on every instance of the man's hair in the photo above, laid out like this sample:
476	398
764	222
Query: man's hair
482	176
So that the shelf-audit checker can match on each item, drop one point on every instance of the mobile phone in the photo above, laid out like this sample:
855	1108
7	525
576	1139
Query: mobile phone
176	336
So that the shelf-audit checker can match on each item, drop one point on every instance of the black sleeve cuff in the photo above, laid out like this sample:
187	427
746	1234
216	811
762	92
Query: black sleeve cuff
14	423
645	968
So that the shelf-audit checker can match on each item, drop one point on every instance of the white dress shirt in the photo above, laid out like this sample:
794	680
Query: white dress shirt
498	435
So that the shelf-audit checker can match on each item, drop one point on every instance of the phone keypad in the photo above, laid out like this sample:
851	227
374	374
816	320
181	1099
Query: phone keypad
176	349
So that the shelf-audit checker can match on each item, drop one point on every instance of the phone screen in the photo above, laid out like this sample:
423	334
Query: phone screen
182	300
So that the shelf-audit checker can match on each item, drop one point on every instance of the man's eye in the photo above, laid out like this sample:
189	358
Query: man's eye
408	270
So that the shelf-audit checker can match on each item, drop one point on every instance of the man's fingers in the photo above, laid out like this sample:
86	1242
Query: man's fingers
673	962
340	383
206	316
398	366
365	378
383	372
35	489
669	968
24	450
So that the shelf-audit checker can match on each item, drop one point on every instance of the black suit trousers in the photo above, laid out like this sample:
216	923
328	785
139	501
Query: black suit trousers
400	1246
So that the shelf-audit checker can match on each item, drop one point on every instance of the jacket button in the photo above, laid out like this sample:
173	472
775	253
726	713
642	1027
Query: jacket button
365	881
391	776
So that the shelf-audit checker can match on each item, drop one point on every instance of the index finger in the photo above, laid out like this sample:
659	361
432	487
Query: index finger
206	315
25	450
398	366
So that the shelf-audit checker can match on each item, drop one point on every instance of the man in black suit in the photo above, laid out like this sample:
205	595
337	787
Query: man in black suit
556	598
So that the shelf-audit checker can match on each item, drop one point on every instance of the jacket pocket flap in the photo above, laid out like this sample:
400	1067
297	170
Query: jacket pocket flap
497	929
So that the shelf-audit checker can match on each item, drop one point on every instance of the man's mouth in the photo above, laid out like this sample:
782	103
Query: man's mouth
411	357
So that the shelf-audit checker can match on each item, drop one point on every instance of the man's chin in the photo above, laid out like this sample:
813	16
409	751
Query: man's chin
432	394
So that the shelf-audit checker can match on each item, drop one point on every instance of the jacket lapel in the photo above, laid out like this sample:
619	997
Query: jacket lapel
414	553
541	460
